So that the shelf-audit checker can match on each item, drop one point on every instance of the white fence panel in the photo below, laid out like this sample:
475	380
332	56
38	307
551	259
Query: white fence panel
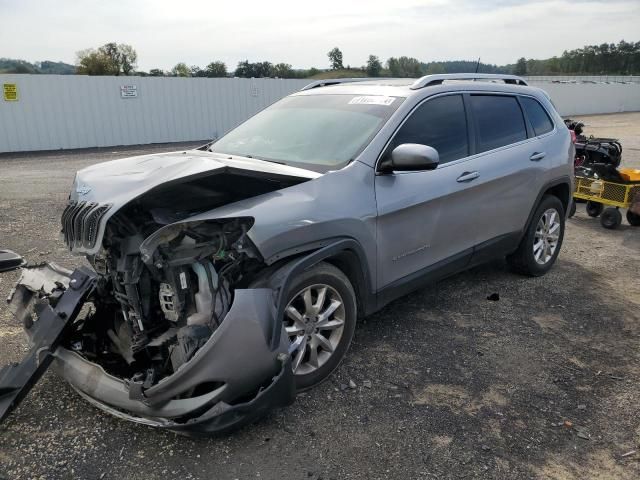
61	112
73	111
588	98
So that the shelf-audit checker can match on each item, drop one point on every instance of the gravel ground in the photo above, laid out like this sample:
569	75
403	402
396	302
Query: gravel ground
542	383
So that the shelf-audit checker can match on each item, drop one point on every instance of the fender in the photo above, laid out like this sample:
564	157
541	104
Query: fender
280	280
566	180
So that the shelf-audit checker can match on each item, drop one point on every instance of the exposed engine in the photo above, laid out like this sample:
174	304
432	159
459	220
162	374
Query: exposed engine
165	283
154	310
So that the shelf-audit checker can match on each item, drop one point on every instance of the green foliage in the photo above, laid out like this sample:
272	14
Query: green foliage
335	58
254	70
216	69
404	67
109	59
374	66
156	72
9	65
196	71
344	73
181	70
434	69
605	59
462	66
283	70
521	67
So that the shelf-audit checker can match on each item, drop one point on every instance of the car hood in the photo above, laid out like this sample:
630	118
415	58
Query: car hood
117	182
112	185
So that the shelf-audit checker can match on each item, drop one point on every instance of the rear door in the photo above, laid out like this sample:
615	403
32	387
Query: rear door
510	163
428	219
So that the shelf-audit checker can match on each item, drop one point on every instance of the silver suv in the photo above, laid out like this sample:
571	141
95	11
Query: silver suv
228	277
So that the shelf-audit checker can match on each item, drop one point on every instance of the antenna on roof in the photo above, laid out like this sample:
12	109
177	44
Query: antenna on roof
477	65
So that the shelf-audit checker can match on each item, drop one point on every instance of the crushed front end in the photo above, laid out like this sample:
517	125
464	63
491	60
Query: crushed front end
173	331
170	333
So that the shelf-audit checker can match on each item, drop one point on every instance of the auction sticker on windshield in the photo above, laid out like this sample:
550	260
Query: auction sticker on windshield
372	100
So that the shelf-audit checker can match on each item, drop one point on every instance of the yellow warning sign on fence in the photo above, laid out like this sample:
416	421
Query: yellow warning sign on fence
10	92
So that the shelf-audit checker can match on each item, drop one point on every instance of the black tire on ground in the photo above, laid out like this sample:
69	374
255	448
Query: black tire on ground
327	274
572	209
594	208
611	218
633	219
523	260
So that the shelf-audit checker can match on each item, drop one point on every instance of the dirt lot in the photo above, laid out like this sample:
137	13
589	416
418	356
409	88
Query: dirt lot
544	383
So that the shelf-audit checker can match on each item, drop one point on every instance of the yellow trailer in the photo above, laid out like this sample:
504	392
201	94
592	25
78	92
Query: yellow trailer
600	193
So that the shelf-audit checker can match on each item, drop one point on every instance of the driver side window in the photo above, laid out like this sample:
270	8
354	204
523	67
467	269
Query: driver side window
440	123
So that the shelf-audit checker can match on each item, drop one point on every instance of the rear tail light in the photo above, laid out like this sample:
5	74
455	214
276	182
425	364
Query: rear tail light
573	136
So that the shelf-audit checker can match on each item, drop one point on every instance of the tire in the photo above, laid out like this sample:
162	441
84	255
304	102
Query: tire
572	209
633	219
536	262
306	324
611	218
594	208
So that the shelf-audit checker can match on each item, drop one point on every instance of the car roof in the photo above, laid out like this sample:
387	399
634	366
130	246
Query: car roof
407	87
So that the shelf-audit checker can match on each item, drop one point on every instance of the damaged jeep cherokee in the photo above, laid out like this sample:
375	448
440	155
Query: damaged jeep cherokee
226	278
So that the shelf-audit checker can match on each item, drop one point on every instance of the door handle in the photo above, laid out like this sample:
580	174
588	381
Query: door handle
467	176
537	156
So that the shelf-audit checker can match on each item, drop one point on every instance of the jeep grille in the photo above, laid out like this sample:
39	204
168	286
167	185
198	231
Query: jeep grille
80	223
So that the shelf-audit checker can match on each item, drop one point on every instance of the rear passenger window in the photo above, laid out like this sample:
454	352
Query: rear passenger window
439	123
499	121
538	117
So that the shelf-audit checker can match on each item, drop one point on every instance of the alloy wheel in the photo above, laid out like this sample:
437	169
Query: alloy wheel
314	321
546	236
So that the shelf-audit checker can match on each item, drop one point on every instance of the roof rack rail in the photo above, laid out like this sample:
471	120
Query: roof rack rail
429	80
335	81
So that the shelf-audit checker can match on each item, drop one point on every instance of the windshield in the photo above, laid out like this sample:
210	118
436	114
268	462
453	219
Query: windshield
316	132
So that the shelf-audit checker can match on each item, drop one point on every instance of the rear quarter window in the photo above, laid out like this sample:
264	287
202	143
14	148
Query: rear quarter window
499	121
537	115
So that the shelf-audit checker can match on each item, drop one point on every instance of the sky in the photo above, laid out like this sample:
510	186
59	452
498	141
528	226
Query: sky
165	32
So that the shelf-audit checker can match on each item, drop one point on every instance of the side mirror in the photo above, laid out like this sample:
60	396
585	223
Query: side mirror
410	157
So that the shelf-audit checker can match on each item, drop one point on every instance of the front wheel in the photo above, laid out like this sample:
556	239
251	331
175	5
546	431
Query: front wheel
541	243
319	319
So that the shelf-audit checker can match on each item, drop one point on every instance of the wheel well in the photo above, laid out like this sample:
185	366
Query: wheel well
561	191
349	263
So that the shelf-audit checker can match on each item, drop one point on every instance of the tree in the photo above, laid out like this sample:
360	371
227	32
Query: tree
435	68
283	70
254	70
216	69
374	66
335	58
196	71
180	70
156	72
127	58
521	67
404	67
94	62
109	59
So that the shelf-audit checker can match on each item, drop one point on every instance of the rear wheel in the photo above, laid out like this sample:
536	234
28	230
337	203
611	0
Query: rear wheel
572	208
633	219
320	319
594	208
541	243
611	218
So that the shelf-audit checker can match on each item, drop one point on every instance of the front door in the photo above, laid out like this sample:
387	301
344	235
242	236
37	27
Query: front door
427	219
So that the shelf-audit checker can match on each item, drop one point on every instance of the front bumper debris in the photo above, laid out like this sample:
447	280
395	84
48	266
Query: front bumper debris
241	372
56	298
